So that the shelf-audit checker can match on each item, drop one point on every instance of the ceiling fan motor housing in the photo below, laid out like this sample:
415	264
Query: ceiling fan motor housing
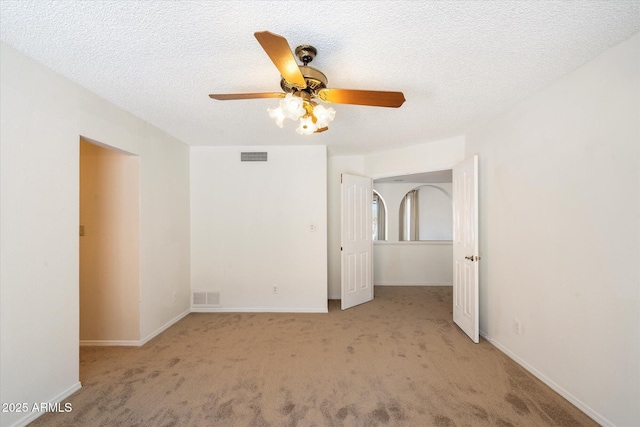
315	80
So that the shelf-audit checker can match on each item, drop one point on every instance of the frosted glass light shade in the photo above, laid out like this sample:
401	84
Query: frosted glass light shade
323	115
307	127
292	107
311	115
278	115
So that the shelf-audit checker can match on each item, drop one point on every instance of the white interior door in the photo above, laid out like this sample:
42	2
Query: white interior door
357	240
465	247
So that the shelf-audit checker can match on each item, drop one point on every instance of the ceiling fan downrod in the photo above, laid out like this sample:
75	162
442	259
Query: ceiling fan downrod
306	53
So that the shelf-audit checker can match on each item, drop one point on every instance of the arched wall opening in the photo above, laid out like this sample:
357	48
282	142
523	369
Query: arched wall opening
426	213
379	215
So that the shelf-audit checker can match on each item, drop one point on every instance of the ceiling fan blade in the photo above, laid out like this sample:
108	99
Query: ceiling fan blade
230	96
280	53
362	97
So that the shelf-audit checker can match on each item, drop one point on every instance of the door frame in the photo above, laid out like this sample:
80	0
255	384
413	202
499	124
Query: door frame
447	166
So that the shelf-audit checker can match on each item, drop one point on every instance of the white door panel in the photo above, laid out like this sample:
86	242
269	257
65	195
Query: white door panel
465	247
357	240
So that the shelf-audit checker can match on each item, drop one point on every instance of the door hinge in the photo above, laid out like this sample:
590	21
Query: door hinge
340	248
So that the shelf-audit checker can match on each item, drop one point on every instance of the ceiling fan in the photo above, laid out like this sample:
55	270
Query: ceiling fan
303	85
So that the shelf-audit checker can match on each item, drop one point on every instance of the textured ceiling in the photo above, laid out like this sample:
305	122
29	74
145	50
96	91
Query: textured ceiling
458	62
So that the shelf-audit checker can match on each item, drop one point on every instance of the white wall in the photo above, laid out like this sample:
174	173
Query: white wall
251	228
413	263
109	245
560	234
42	117
164	232
424	157
436	211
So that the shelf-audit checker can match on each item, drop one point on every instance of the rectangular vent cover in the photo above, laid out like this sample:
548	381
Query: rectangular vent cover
253	156
206	298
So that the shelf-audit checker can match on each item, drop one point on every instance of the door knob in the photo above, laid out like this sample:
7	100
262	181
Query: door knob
472	258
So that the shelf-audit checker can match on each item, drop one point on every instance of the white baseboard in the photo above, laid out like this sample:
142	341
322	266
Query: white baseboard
257	310
56	399
339	297
414	284
107	343
553	385
164	327
134	343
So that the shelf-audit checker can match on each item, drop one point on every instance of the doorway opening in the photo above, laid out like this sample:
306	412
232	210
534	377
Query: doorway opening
462	250
109	245
419	247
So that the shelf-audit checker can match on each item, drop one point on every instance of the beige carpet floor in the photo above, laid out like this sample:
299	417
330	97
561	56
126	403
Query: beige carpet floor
397	361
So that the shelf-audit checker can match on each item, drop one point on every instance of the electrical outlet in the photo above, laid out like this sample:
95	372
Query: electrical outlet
517	326
275	289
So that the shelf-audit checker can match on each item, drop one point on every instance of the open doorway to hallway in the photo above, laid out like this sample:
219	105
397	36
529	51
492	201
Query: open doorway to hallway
109	245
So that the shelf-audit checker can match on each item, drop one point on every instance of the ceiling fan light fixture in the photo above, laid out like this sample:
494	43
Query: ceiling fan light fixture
313	118
278	115
323	115
292	107
307	126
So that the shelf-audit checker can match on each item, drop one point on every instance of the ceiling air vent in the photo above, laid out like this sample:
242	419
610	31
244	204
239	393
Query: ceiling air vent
253	156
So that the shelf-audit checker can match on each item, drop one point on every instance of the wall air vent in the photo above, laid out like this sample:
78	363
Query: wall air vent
253	156
204	299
